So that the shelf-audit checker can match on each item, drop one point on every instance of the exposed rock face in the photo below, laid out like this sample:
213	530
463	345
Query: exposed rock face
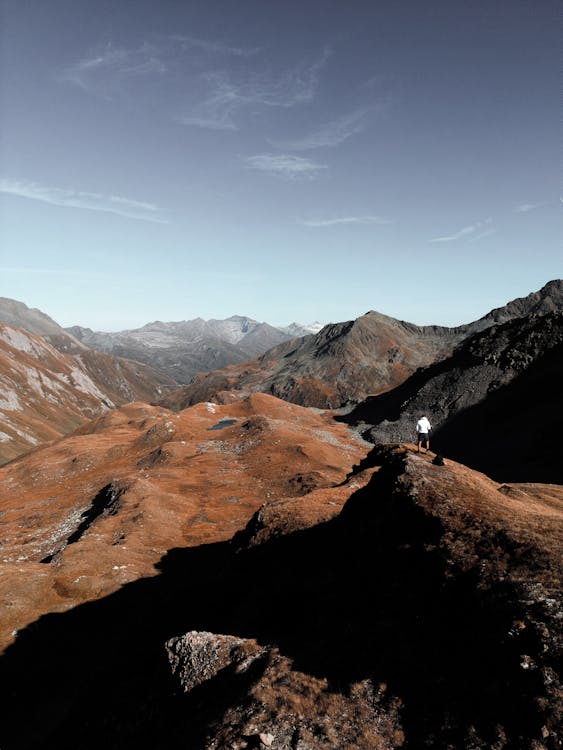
284	708
425	614
349	361
183	348
495	404
45	394
547	299
99	508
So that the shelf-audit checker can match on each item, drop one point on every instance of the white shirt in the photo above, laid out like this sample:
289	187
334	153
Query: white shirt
423	425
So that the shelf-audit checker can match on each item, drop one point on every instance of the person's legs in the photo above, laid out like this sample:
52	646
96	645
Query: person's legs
419	441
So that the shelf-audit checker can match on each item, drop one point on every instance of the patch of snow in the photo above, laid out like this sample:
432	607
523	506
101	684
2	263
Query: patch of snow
302	329
4	438
210	407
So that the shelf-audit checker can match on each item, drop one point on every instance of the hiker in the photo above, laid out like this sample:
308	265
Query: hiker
423	427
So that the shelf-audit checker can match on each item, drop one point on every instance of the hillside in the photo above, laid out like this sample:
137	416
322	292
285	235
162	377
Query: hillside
495	404
45	393
423	614
94	510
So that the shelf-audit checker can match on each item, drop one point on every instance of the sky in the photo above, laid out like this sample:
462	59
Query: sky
288	160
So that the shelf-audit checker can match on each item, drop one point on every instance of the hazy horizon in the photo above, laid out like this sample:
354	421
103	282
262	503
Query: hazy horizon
282	161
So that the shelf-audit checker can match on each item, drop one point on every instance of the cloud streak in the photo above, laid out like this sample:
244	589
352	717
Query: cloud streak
475	231
285	166
218	80
334	132
223	95
525	208
112	66
363	220
115	204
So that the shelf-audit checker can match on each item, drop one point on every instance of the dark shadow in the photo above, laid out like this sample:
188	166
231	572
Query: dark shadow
515	434
368	594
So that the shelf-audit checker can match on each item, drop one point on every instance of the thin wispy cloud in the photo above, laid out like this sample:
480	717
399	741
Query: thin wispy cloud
345	220
525	208
335	131
188	42
285	166
218	80
224	95
475	231
115	204
108	69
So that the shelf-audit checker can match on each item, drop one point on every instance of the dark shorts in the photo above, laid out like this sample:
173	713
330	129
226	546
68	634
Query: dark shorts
423	438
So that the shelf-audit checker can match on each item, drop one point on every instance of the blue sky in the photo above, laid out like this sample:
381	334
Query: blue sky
278	159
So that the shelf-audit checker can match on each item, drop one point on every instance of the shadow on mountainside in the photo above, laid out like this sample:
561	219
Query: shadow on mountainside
513	433
370	594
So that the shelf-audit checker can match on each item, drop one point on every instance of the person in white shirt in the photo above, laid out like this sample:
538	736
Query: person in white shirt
423	427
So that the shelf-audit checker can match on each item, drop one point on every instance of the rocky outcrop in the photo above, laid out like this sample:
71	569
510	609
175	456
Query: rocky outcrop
284	708
495	404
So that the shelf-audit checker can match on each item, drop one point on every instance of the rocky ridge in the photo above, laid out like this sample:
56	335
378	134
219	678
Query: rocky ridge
495	403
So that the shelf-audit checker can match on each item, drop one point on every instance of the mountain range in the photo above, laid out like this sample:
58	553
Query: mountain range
349	361
182	349
226	568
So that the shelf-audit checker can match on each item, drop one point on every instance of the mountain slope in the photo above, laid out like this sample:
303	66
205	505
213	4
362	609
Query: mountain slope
100	507
495	404
45	394
424	614
342	362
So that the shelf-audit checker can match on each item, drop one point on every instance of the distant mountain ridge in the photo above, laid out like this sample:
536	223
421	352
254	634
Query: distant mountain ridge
183	348
346	362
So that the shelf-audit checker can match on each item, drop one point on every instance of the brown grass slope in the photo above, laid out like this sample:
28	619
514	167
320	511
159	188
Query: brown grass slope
99	508
424	614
